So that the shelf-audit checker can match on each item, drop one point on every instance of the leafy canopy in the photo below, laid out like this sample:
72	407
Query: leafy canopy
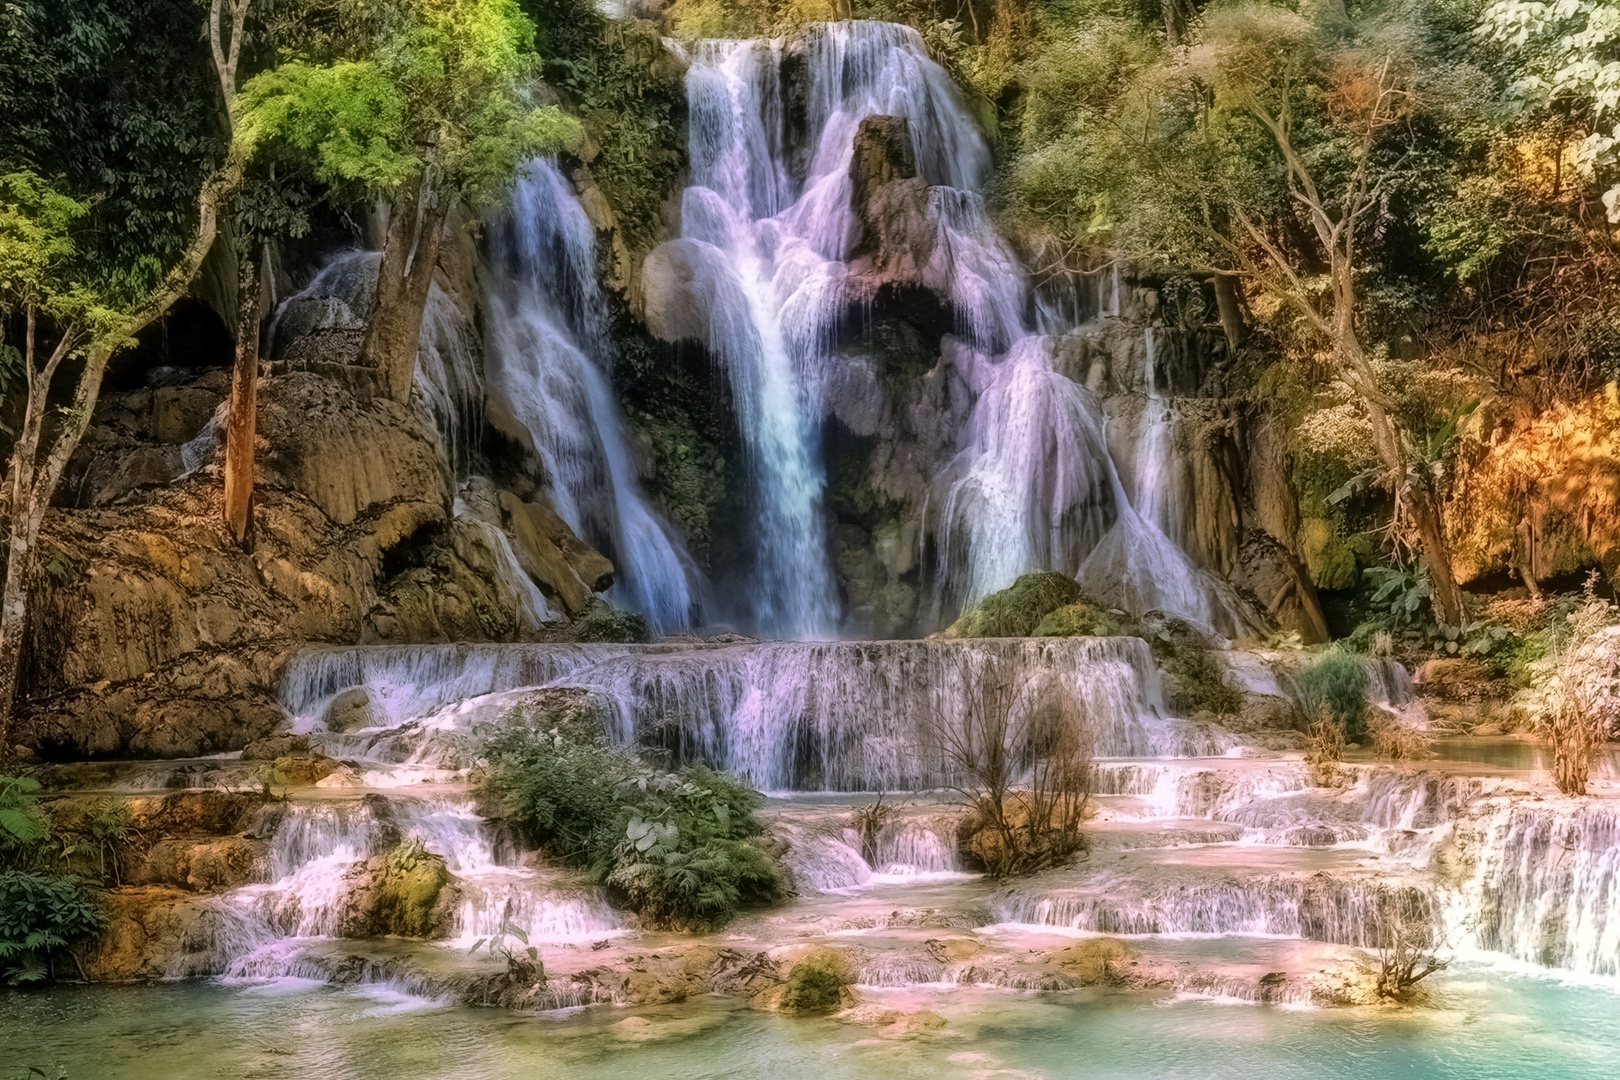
443	91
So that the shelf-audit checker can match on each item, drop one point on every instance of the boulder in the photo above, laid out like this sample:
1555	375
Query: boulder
681	281
153	932
179	413
408	892
547	549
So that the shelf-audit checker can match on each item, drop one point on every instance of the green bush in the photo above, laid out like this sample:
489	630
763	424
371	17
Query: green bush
1198	685
1019	608
815	985
681	848
606	623
1336	683
39	914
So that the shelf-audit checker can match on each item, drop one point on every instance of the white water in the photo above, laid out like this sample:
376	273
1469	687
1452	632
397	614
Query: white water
549	372
788	716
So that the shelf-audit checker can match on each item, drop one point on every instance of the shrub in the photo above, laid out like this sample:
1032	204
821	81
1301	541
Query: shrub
1337	682
681	848
1197	682
606	623
39	914
1019	608
1394	740
1574	697
1324	749
815	984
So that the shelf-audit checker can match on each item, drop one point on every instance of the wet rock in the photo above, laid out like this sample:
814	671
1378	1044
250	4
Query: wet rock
547	549
153	932
275	746
350	711
1095	962
953	950
179	413
352	456
199	865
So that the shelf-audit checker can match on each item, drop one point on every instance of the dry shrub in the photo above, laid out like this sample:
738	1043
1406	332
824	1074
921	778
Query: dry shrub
1577	704
1395	740
1408	950
1019	756
1324	750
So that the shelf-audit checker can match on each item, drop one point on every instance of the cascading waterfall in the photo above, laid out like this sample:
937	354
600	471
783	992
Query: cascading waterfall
786	715
549	374
767	252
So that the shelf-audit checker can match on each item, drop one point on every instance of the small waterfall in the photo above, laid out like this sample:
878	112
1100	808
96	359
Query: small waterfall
1035	488
1547	885
549	377
448	384
789	716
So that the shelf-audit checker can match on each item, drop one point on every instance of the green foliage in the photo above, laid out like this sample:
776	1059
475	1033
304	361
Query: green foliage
607	623
39	914
682	848
115	101
1019	608
1401	593
442	91
631	96
1336	683
40	911
24	827
1198	684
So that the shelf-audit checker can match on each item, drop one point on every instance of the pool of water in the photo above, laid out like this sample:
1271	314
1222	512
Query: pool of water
1484	1025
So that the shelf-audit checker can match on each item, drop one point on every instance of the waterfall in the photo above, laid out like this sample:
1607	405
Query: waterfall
1035	488
448	385
549	369
765	228
789	716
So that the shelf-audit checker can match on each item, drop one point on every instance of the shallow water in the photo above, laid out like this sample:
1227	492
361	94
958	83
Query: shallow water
1486	1025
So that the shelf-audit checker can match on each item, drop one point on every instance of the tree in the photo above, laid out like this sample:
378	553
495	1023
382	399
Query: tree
1020	758
1274	151
428	108
71	319
1566	54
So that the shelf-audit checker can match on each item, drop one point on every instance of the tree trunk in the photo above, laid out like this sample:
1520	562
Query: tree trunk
13	622
1229	305
1173	19
410	250
242	425
1422	499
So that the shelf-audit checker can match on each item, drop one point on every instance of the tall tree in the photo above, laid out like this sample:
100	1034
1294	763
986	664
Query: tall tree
1274	151
430	108
74	316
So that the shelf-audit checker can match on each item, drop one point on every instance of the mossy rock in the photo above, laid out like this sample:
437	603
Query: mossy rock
1018	609
407	892
1083	618
606	623
815	985
1330	560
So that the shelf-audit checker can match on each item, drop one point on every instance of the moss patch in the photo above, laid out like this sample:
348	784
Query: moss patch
815	984
1083	618
1018	609
408	894
606	623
